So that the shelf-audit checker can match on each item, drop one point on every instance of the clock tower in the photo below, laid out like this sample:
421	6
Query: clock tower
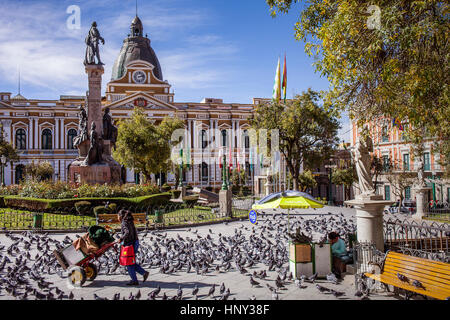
137	69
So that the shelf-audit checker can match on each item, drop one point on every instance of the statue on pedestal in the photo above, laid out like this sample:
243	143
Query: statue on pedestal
82	128
95	153
109	130
363	146
92	49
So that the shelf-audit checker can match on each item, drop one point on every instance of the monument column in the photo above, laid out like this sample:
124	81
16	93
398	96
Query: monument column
94	97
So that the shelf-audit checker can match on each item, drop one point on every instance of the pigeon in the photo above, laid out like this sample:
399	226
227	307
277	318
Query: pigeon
322	289
332	278
252	297
337	293
358	294
418	284
195	291
222	288
211	291
402	277
253	282
312	278
179	293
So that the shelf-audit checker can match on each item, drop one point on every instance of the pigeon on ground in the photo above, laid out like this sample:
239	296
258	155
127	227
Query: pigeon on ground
211	290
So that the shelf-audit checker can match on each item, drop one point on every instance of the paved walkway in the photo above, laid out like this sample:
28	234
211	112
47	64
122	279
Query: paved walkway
108	283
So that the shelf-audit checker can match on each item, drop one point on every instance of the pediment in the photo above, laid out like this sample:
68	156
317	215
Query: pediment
151	103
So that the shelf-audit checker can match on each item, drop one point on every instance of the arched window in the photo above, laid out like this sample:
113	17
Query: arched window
71	134
246	140
203	137
47	139
19	173
21	139
224	138
204	171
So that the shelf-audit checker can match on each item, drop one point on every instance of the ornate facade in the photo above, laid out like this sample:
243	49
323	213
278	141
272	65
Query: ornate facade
43	130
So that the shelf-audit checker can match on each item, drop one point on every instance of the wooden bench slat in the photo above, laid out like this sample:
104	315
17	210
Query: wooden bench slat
431	291
418	260
412	266
421	268
424	279
434	275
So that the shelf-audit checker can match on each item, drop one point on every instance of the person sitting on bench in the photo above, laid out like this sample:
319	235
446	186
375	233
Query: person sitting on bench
339	252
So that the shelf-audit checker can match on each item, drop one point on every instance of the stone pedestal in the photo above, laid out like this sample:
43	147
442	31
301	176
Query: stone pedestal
369	219
421	202
225	203
183	193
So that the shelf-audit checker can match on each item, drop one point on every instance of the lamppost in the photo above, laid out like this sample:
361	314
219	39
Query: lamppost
180	179
330	187
3	161
224	173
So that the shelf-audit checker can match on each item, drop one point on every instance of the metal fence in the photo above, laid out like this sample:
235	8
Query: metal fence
425	240
438	214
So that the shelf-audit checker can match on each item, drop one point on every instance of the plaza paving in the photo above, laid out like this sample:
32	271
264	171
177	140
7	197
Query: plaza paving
109	283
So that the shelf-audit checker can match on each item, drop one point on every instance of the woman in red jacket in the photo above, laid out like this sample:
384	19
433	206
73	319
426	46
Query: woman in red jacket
129	238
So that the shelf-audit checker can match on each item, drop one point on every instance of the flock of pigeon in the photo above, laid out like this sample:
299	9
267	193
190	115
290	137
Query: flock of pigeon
252	250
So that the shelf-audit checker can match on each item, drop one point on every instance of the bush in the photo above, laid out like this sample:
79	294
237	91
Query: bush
190	199
166	187
101	210
83	208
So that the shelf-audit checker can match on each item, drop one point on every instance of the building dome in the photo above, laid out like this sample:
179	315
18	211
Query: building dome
136	47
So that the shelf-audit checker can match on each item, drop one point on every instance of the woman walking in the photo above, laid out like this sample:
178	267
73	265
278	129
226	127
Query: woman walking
129	238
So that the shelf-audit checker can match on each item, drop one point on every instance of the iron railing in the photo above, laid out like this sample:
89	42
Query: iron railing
438	214
421	239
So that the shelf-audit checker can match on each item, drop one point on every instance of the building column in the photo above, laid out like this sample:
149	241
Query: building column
36	133
56	134
62	132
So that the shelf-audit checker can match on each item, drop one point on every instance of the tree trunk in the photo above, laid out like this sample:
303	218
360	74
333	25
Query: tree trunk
295	182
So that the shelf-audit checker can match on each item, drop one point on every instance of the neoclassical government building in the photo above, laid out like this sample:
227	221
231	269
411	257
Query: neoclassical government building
43	130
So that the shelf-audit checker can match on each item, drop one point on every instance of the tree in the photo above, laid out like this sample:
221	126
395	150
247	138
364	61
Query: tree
39	171
345	177
306	180
144	146
6	149
378	166
306	130
399	180
385	58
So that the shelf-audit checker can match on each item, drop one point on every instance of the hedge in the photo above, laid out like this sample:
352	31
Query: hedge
48	204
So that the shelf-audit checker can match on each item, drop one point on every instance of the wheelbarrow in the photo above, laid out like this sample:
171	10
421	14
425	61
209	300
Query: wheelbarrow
79	266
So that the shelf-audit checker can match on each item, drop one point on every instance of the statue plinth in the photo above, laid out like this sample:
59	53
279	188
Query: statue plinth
225	203
421	201
369	218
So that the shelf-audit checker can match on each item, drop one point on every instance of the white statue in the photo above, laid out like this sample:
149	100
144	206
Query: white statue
363	146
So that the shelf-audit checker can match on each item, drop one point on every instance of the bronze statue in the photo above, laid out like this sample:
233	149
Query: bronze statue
82	128
92	49
95	153
109	130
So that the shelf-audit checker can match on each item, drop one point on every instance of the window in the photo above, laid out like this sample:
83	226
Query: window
385	134
408	193
19	173
204	141
246	140
47	139
204	171
426	161
387	192
71	134
406	162
21	139
224	138
386	164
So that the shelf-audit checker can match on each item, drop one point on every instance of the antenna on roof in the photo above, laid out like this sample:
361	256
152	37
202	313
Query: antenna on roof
136	8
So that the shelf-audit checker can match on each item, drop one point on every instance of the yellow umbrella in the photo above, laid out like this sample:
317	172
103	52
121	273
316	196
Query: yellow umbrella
287	200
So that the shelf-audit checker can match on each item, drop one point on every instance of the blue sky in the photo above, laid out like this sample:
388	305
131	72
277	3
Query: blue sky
207	48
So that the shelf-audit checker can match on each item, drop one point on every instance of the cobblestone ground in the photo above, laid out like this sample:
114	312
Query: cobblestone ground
108	282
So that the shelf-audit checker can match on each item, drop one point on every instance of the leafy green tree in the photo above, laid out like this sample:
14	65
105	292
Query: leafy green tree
399	180
345	177
39	171
306	181
145	146
383	58
306	130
